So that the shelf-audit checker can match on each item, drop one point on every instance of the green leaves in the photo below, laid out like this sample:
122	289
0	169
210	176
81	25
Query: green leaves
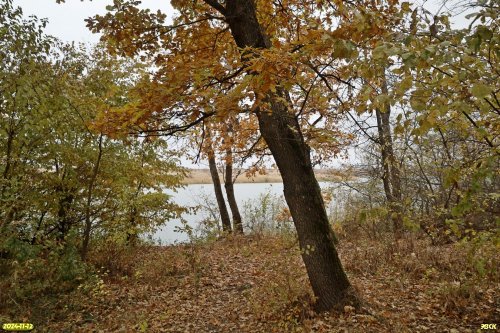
343	49
480	90
484	33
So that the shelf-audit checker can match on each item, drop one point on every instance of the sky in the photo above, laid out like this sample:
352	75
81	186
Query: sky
66	20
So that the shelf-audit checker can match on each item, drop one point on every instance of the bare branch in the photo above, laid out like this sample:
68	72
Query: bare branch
171	130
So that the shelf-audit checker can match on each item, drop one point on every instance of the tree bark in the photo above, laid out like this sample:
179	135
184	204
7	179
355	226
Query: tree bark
88	206
231	199
386	171
391	176
9	210
132	238
221	203
131	235
64	222
292	155
303	196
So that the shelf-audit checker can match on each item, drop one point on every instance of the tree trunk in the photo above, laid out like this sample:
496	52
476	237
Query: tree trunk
303	196
64	222
292	155
8	156
224	215
384	140
132	238
391	176
231	199
88	221
386	172
9	211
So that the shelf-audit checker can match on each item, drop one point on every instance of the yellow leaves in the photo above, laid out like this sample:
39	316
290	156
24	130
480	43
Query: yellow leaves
269	69
405	6
402	87
381	101
432	119
343	49
379	52
179	4
406	83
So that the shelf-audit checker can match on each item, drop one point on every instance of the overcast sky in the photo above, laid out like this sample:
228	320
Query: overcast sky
66	20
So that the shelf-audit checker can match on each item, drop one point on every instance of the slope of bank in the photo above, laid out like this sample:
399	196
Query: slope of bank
202	176
259	284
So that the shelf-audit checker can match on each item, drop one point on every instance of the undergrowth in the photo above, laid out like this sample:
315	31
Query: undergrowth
406	284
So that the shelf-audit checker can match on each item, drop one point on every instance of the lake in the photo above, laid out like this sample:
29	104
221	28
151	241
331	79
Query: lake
248	195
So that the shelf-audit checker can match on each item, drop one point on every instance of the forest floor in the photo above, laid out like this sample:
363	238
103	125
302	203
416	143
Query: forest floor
259	284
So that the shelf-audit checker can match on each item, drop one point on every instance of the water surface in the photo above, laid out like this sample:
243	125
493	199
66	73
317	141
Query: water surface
203	194
247	194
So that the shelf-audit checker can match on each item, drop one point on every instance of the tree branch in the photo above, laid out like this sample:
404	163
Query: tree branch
216	5
171	130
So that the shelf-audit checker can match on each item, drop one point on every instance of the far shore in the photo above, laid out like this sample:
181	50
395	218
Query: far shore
202	176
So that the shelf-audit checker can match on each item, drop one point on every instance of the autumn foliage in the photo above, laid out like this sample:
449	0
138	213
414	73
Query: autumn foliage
405	238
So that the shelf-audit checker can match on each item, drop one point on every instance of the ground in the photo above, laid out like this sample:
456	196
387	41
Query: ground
259	284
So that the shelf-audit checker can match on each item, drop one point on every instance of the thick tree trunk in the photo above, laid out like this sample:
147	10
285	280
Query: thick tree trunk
302	192
231	199
221	203
303	196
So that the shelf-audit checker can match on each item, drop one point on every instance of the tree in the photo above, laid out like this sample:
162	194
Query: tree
420	72
214	173
292	155
23	58
248	49
229	182
391	174
63	177
227	146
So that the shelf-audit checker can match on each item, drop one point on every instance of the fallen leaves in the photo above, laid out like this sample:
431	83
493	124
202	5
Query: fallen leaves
259	284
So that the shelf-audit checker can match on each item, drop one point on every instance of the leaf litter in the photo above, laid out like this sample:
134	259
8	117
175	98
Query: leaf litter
259	284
